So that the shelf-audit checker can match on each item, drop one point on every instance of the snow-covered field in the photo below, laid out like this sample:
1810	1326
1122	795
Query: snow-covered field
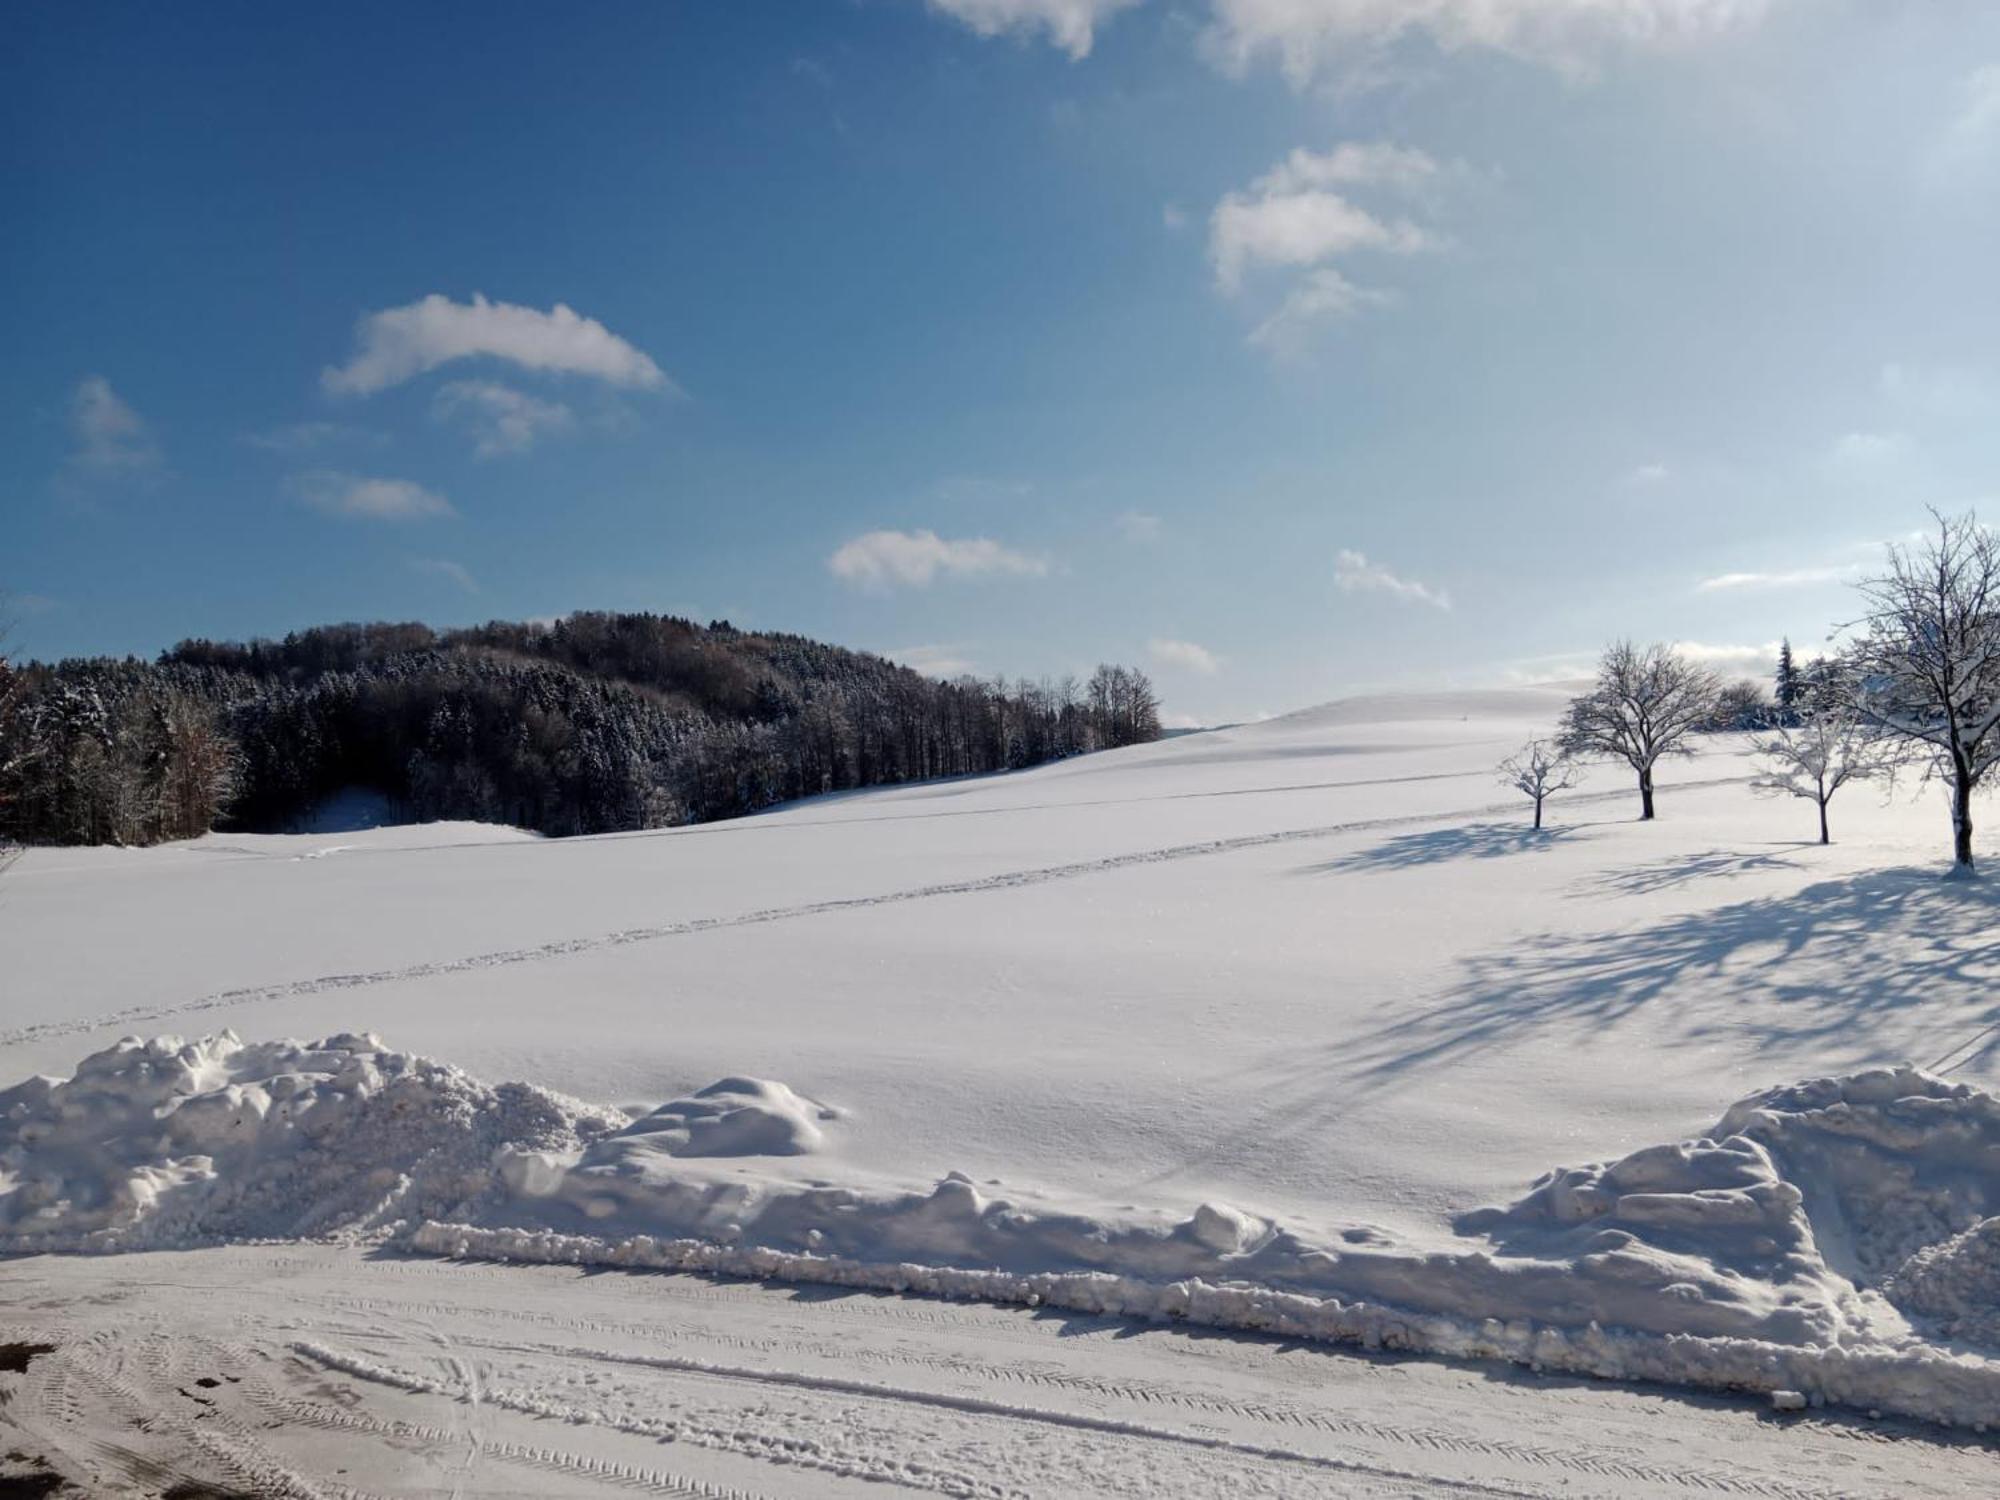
1241	1029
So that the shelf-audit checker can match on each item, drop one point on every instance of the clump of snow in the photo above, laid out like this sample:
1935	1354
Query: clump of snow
735	1117
165	1143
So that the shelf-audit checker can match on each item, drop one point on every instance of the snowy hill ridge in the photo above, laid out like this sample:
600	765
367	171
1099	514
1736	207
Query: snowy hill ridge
1820	1240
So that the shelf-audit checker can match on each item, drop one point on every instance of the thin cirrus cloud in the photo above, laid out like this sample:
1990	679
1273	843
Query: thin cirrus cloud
885	559
1186	656
1070	25
1781	578
400	343
1354	573
110	437
444	567
356	497
500	418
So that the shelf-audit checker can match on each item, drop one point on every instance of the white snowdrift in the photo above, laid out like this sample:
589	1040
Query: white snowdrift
1820	1240
165	1144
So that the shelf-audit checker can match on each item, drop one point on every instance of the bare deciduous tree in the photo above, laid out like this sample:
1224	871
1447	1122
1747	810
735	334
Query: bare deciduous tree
1829	747
1926	670
1540	769
1646	704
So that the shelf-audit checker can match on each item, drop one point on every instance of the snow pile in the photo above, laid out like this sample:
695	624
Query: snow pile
736	1117
166	1143
1813	1243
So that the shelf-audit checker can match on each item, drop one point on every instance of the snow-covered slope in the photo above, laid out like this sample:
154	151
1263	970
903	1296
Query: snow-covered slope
1273	1006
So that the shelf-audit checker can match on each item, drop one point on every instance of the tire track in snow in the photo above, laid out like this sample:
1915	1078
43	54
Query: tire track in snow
566	947
1140	1392
975	1406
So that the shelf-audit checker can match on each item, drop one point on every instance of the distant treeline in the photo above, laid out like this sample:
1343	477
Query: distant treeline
596	723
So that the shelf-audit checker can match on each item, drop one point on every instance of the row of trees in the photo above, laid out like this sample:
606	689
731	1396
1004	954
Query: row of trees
598	723
1917	685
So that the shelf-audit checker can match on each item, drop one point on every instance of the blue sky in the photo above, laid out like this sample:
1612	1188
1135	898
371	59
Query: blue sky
1283	347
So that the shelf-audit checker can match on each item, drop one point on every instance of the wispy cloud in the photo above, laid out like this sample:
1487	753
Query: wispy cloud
1353	573
1308	37
444	567
880	559
1780	578
356	497
399	343
1645	475
940	659
1068	24
500	418
1184	655
110	437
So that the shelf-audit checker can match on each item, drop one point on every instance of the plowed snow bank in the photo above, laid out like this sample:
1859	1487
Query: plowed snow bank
1817	1240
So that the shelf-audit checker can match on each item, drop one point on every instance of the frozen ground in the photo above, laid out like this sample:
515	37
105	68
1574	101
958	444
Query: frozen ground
1313	974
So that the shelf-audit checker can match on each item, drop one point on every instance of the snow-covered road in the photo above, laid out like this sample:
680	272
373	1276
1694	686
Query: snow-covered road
319	1370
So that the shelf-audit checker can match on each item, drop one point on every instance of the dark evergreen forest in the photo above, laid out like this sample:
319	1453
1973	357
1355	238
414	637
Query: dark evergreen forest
595	723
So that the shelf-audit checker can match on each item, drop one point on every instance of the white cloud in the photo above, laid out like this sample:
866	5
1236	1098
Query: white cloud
940	659
1648	474
1781	578
360	498
501	419
1185	655
878	559
111	438
1179	721
1069	24
1307	37
1174	217
1272	225
400	343
1321	294
444	567
1351	163
1293	218
1353	573
1138	526
1732	661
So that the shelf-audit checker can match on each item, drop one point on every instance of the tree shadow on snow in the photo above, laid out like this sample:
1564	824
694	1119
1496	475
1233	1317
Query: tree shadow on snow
1645	880
1822	972
1844	974
1438	845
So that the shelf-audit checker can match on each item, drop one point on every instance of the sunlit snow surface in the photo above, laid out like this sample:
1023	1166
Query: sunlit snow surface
1242	1028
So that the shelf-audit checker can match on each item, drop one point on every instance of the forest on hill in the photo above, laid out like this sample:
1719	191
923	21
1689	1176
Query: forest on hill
593	723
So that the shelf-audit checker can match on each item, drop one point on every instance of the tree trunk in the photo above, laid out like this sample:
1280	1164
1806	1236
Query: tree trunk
1646	795
1538	813
1961	818
1822	824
